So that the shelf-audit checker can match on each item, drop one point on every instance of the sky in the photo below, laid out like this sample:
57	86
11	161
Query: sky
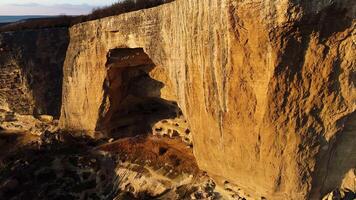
50	7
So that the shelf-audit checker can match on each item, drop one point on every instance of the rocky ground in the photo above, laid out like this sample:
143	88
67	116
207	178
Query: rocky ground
39	161
61	166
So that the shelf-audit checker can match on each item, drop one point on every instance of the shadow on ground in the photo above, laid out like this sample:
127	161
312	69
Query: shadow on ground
58	166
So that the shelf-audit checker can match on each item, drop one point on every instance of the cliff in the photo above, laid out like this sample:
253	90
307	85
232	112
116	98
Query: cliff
264	91
31	70
267	87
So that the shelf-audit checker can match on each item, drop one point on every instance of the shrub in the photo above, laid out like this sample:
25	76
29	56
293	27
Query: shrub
60	21
123	7
67	21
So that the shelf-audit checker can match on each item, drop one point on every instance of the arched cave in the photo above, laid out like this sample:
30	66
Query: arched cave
135	97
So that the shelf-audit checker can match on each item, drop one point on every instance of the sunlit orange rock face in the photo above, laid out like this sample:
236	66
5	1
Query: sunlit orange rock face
267	87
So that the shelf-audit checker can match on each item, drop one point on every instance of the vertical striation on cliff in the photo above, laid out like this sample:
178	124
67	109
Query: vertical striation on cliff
268	87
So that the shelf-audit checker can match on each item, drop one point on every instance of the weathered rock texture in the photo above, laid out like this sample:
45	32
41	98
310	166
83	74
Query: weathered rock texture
268	87
31	68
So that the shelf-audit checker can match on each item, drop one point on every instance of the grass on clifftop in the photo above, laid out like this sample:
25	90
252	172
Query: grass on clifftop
68	21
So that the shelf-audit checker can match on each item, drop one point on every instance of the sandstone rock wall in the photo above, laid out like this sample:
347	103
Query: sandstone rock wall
268	87
31	64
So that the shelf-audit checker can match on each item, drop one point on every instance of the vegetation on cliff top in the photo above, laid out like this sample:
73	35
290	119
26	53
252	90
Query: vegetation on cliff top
67	21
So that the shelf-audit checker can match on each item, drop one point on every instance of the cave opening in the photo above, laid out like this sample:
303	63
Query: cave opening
135	97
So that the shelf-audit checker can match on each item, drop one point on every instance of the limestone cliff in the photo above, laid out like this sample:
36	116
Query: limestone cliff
31	68
267	87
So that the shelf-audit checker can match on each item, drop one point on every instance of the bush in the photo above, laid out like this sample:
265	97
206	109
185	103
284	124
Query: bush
67	21
124	7
61	21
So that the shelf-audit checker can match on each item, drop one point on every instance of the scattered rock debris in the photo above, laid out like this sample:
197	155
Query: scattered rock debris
174	128
39	161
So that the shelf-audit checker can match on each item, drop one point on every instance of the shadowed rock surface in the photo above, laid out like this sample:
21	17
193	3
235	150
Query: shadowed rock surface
31	70
62	165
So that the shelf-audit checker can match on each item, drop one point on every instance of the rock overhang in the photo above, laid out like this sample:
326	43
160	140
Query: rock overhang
243	81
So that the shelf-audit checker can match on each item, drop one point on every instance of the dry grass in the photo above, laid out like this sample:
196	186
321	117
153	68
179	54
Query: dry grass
60	21
67	21
123	7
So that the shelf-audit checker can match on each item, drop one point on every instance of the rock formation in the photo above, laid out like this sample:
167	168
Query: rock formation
31	68
267	88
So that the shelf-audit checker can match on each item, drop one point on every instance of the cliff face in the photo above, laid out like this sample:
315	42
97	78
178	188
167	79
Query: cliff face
31	70
267	87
